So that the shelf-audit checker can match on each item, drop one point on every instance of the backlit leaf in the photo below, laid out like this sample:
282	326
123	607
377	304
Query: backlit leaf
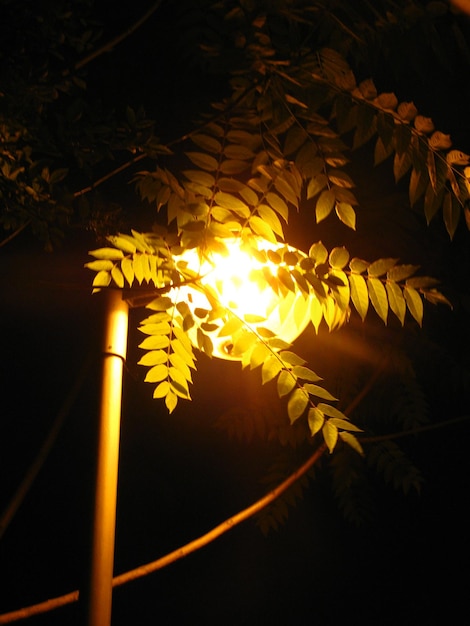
127	268
358	265
238	152
396	300
258	355
261	228
338	257
271	368
359	294
378	297
102	279
204	161
206	142
278	204
315	185
330	435
318	392
295	137
382	151
155	328
156	373
117	276
178	377
286	190
316	313
123	243
227	201
331	411
162	303
202	178
346	214
352	441
325	204
285	383
171	401
229	328
380	267
186	355
155	342
285	277
291	358
432	202
244	342
100	265
451	213
341	293
400	272
162	389
111	254
153	357
345	424
340	178
401	164
414	303
296	404
268	215
316	420
233	166
418	184
305	373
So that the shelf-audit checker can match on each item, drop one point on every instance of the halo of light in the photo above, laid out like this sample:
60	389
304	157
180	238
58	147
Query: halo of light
237	282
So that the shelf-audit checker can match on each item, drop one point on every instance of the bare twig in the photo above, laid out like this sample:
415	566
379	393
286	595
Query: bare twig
109	175
15	233
117	40
44	451
192	546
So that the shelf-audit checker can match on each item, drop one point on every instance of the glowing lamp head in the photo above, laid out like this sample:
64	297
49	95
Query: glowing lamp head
243	291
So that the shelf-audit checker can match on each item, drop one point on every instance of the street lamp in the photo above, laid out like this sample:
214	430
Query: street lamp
242	281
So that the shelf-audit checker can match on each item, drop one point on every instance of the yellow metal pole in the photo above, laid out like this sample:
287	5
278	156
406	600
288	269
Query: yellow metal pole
99	593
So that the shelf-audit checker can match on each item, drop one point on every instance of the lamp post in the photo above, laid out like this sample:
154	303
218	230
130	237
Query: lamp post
98	596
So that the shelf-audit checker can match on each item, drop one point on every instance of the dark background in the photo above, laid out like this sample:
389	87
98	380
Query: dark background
179	475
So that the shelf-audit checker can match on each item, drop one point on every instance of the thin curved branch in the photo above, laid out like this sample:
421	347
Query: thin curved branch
192	546
30	476
415	431
117	40
15	233
109	175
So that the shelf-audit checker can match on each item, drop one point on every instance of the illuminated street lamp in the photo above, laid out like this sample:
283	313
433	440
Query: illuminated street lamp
242	282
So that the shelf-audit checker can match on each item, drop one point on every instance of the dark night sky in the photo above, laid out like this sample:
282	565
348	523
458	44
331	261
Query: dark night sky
180	476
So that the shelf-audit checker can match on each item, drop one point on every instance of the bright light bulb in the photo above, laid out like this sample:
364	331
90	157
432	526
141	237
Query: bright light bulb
238	283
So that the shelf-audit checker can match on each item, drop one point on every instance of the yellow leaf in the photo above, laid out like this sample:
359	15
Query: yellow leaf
162	389
117	276
297	404
156	373
359	294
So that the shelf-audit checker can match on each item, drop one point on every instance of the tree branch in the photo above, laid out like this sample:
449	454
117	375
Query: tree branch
117	40
192	546
15	233
30	476
109	175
